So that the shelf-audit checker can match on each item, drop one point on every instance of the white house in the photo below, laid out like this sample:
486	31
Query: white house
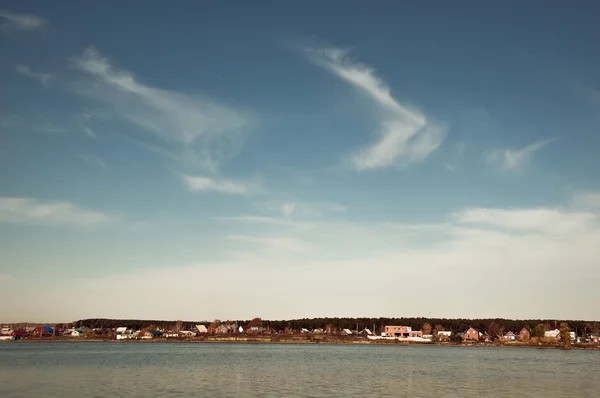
241	329
510	336
446	333
346	332
77	333
552	333
187	333
201	329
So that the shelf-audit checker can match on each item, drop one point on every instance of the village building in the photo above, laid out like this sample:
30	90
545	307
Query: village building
471	335
77	333
200	329
400	331
509	336
554	333
524	334
365	333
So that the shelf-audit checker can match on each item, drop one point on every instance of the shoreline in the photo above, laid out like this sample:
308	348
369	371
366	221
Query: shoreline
328	340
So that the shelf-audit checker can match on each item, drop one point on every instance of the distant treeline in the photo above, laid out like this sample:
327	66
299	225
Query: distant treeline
456	325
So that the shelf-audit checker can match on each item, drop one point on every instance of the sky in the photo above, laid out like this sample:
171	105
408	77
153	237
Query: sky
232	160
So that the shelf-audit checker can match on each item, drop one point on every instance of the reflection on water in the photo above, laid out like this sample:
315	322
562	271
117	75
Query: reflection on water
196	369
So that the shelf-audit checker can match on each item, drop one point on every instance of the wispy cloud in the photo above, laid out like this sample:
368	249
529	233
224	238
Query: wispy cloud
266	220
405	135
34	211
287	209
13	21
309	209
286	244
206	132
588	200
542	220
231	187
25	70
93	160
449	166
90	133
514	159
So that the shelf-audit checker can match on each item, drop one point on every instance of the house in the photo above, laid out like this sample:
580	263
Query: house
365	333
594	338
346	332
317	331
77	333
240	330
524	334
123	333
150	334
304	330
444	334
471	335
510	336
201	329
187	333
255	329
170	334
221	329
6	333
400	331
43	331
555	333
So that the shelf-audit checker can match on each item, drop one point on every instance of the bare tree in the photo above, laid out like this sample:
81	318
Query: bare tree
426	329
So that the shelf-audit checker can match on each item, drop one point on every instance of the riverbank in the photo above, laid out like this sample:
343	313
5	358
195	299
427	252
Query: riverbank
296	339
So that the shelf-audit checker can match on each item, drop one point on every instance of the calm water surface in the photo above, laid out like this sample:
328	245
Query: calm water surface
270	370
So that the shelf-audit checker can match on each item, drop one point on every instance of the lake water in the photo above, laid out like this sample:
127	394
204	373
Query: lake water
272	370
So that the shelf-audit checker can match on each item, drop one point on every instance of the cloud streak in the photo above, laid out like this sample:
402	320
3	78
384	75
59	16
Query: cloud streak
515	159
277	244
25	70
230	187
93	160
405	135
206	131
542	221
37	212
14	21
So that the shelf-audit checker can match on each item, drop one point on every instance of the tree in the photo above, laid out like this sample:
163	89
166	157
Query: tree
565	334
178	326
539	330
495	331
426	328
256	322
438	328
212	328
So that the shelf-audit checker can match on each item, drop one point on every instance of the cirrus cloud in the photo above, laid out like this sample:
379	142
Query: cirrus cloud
405	135
15	21
204	131
36	212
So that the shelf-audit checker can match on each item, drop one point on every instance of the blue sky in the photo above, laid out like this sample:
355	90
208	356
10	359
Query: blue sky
298	161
